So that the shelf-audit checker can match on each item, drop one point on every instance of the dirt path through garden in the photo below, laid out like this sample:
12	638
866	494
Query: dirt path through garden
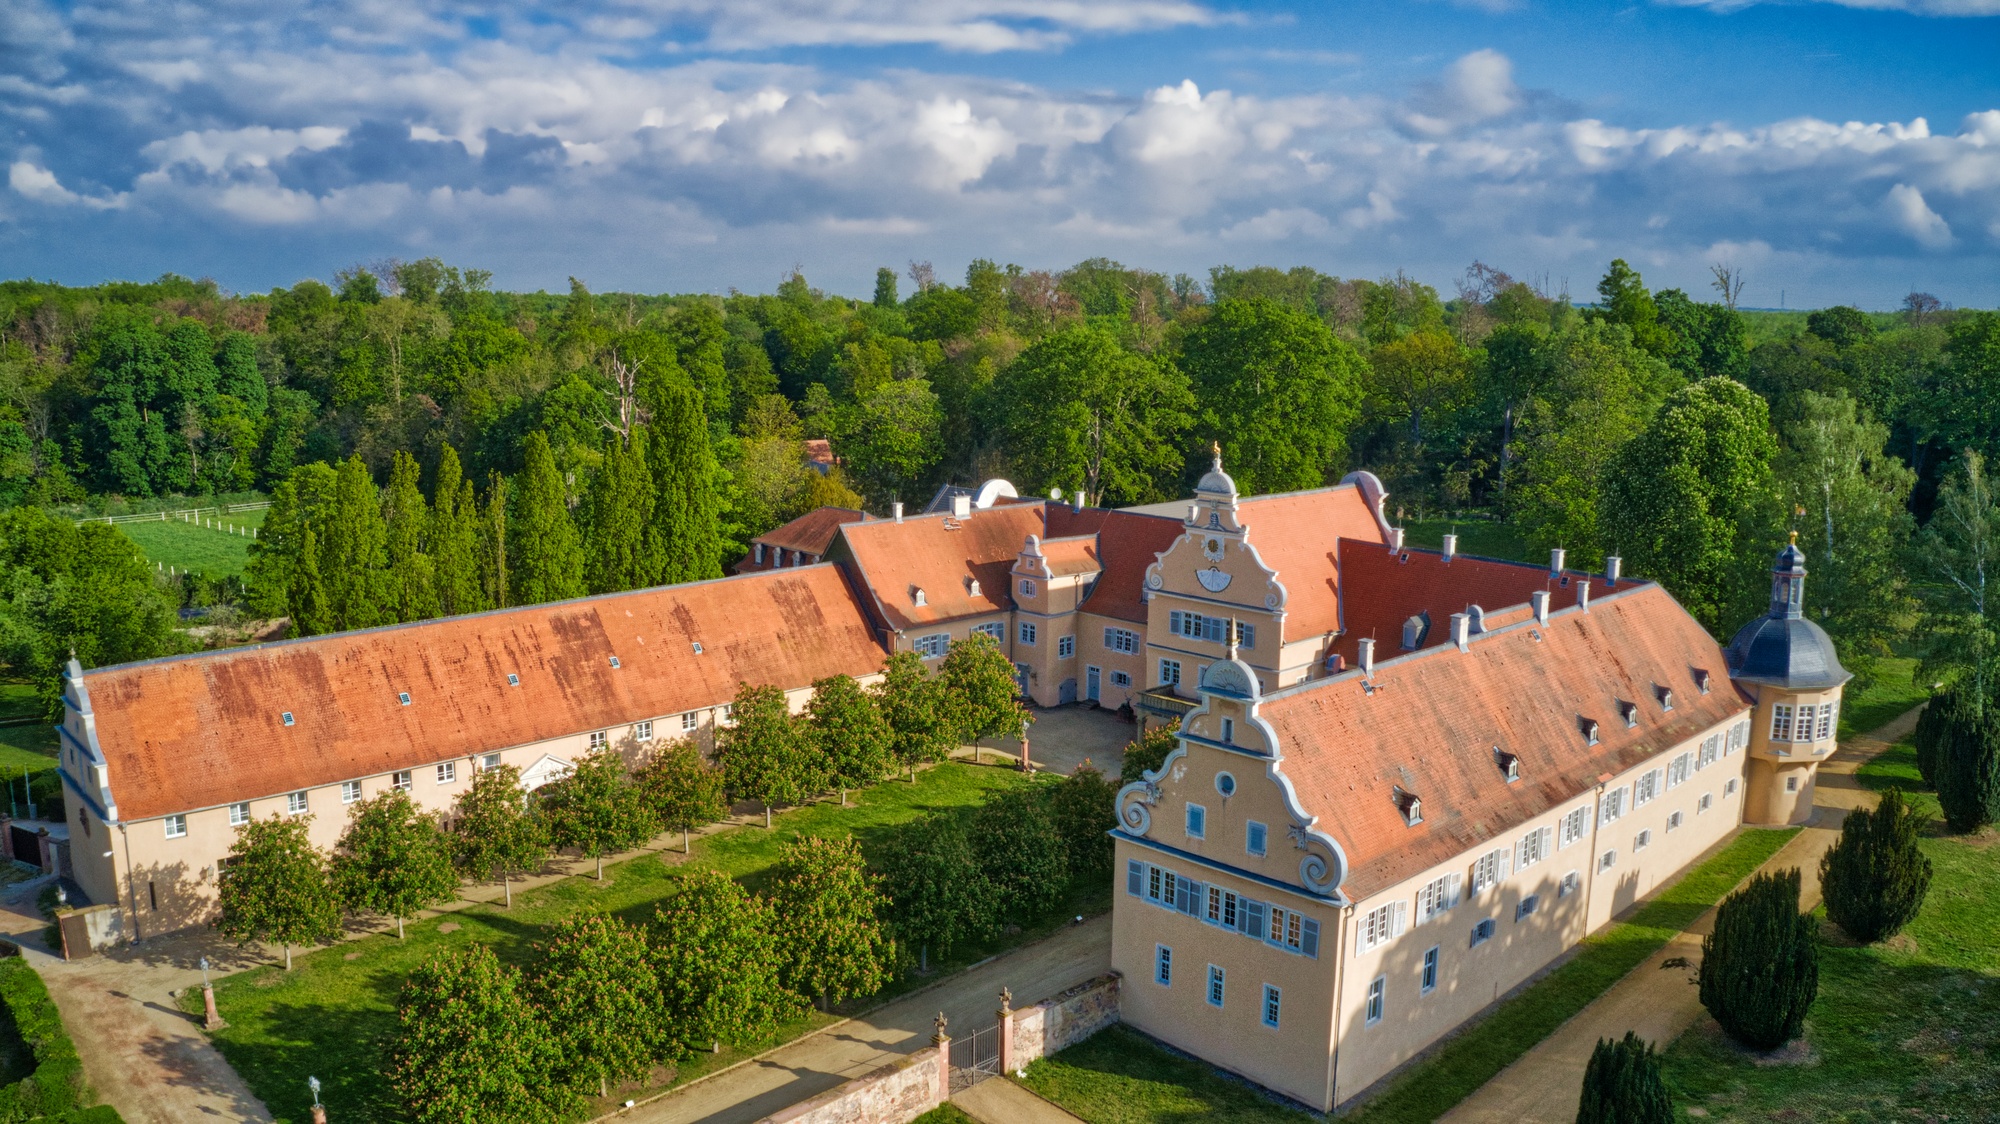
1658	1002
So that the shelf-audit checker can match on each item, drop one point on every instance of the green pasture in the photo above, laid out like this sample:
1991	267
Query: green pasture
219	546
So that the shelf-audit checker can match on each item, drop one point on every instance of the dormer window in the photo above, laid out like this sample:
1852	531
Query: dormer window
1666	697
1414	631
972	587
917	597
1701	679
1630	711
1588	727
1409	804
1510	765
760	553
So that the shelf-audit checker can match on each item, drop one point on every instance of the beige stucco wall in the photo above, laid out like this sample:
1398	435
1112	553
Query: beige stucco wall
1091	652
1252	597
1774	764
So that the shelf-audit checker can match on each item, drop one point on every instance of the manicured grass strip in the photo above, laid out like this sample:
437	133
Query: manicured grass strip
1891	692
334	1018
1907	1029
1895	767
1119	1076
1428	1090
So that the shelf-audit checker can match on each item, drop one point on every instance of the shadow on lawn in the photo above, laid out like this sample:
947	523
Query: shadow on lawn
293	1044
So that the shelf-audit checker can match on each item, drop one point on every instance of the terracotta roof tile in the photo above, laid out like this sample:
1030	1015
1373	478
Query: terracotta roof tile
1380	590
1295	534
198	731
1128	542
1436	715
812	533
1074	555
938	554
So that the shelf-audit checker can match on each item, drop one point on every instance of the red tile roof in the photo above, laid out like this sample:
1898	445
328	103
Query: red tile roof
1128	542
1380	590
939	554
1295	534
1435	716
1074	555
812	533
199	731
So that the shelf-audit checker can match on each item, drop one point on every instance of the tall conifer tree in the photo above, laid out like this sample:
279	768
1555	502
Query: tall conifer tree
687	519
618	508
454	540
493	573
354	558
408	519
306	597
546	558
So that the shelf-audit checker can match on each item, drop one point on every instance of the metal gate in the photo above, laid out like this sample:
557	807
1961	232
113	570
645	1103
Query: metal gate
975	1057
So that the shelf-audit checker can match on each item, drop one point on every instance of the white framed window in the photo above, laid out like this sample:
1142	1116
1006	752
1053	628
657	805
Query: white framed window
1197	821
1729	787
1170	673
1378	926
1642	841
447	773
1121	640
1534	847
1527	906
239	814
1489	868
1224	908
295	803
1027	588
599	739
490	761
1674	821
643	731
1121	679
1573	825
1791	784
177	826
1825	729
728	712
1163	965
1710	752
1571	882
1607	860
615	665
1781	723
1255	837
1027	632
1613	806
1438	896
1646	788
1295	931
932	646
757	549
1065	647
1482	932
1427	980
1272	999
1701	805
690	720
994	629
350	791
1679	770
1214	986
1739	736
400	781
1376	996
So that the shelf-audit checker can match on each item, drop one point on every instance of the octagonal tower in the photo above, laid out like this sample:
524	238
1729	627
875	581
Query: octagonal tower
1791	666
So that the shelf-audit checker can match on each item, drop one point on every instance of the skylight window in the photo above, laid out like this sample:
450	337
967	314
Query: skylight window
513	680
288	717
697	647
403	697
614	661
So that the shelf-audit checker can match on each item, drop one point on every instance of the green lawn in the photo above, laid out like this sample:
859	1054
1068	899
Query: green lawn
1427	1090
1119	1076
946	1113
334	1018
1890	692
189	546
1908	1029
1487	538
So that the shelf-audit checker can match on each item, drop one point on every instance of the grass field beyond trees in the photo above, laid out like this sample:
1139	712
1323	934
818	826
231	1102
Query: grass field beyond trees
200	548
334	1015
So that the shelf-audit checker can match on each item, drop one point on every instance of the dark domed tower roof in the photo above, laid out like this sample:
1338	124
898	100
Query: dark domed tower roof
1783	648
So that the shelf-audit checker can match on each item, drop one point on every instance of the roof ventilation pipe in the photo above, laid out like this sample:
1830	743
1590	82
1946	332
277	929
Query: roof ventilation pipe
1450	547
1395	540
1612	564
1556	557
1076	501
1583	596
896	511
1365	653
1540	600
1461	630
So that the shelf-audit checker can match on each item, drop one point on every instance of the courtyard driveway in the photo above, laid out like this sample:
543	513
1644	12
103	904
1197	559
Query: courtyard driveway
1064	737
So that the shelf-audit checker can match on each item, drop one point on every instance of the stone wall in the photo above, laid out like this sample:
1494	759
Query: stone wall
895	1094
1062	1021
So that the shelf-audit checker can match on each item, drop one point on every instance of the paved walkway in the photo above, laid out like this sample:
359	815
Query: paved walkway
1659	1003
844	1051
1064	737
999	1100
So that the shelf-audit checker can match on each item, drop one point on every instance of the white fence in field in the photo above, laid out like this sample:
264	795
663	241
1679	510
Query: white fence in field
213	518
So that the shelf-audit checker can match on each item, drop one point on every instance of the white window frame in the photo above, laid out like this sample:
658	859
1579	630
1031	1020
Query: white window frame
1679	770
1825	728
402	781
1729	788
994	629
1739	737
1533	847
1375	928
690	720
297	803
1702	805
1574	825
1027	632
1570	884
1527	907
239	813
1612	807
177	826
1608	859
1642	840
1170	673
1490	869
931	646
1216	980
1646	788
1065	647
447	772
599	739
1781	722
350	791
1378	1001
489	761
642	730
1710	752
1675	819
1438	897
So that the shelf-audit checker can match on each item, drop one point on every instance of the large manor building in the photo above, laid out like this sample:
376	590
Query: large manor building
1407	780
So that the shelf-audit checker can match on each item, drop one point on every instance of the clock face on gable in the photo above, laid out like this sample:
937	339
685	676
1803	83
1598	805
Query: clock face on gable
1212	548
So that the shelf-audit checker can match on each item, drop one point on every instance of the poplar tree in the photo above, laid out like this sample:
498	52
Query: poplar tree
408	523
1875	876
594	989
829	912
938	894
912	705
687	522
493	572
306	596
715	954
354	560
469	1047
454	540
277	887
618	508
680	790
1760	966
848	735
393	859
1622	1085
494	830
595	808
546	559
763	753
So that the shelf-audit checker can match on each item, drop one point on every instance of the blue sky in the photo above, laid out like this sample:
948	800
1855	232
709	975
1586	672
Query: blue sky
1834	152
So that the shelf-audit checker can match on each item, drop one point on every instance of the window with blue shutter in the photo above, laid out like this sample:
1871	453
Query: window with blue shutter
1309	939
1253	919
1135	877
1246	635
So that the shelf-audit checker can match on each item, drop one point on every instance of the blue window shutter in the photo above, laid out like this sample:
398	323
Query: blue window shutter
1249	635
1253	919
1135	877
1309	938
1174	621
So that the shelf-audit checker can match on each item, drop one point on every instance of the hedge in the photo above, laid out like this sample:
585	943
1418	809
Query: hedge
56	1089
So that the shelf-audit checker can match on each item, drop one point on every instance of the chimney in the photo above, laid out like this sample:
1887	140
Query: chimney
1583	595
1556	561
1461	630
1612	564
1194	513
1076	501
961	507
1540	600
896	511
1365	655
1450	547
1395	540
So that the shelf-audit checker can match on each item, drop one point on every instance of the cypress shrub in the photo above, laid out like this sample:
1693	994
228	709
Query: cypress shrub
1968	771
1622	1085
1875	877
1760	967
1938	717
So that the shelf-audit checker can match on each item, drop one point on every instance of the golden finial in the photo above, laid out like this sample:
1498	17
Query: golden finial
1795	538
1216	446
